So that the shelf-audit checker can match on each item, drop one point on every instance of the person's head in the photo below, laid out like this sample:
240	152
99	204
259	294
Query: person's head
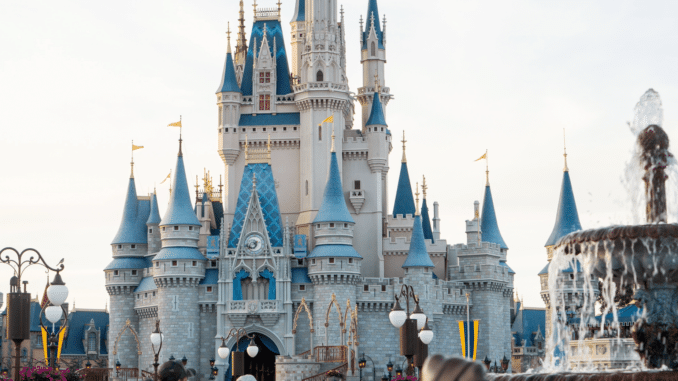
172	371
440	368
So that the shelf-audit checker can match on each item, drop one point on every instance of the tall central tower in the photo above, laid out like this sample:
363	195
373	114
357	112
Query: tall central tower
321	91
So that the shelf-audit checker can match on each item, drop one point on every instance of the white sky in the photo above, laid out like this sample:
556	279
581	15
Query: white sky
79	80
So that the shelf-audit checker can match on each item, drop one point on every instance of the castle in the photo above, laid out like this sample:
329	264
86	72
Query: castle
301	246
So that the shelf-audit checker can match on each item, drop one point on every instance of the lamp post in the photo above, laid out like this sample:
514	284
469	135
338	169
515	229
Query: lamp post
57	294
363	363
156	341
117	368
184	361
18	302
417	321
237	357
389	367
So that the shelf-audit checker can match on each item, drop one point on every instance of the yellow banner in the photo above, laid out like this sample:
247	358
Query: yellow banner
175	124
476	323
134	148
329	119
482	157
166	178
44	343
61	342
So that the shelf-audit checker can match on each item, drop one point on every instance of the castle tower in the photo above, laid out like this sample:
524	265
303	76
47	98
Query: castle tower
567	221
322	93
177	270
229	98
373	58
154	243
488	222
334	264
298	28
241	45
404	201
124	273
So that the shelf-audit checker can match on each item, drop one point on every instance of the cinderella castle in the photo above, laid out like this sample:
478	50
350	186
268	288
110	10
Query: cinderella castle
301	247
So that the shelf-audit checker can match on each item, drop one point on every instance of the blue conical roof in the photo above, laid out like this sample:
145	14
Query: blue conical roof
179	210
154	216
299	11
372	9
418	256
333	208
489	227
567	219
377	113
134	215
426	222
228	83
404	201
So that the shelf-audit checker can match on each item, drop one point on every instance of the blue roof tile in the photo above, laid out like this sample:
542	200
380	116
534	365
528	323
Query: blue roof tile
299	11
489	227
331	251
372	9
569	268
377	113
533	320
229	82
154	215
567	218
510	270
134	215
268	199
77	321
300	275
274	30
218	209
211	277
179	253
126	263
404	201
180	211
333	207
288	118
426	222
146	284
417	255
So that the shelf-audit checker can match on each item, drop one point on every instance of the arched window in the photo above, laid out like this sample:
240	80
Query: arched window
319	76
320	132
373	49
306	187
92	342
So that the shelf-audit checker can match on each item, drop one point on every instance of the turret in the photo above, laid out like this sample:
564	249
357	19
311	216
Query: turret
376	131
265	72
488	226
298	29
229	98
373	58
241	45
152	225
425	221
177	270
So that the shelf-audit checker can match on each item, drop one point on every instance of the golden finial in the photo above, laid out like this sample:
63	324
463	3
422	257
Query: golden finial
416	194
487	168
404	141
332	150
131	175
228	34
279	3
255	10
196	185
254	181
424	187
565	152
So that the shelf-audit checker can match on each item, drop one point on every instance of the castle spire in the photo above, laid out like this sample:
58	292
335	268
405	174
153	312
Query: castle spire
416	194
404	160
333	207
488	225
229	81
154	215
241	42
180	211
425	220
377	114
404	202
373	24
567	218
417	255
565	152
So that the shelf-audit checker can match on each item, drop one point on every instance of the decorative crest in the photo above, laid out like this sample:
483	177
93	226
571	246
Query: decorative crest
565	152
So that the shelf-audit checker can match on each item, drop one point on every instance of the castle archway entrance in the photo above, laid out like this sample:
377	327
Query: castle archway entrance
262	367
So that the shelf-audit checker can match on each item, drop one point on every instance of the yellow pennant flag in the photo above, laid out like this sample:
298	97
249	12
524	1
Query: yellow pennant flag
134	148
166	178
44	343
482	157
61	342
329	119
175	124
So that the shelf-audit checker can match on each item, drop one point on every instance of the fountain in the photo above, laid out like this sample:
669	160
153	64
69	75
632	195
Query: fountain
645	256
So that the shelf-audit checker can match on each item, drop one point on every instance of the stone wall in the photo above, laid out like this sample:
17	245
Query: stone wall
294	368
180	321
122	308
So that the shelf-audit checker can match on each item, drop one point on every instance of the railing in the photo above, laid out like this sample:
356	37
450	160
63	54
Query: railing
146	375
343	368
105	374
252	306
319	85
330	354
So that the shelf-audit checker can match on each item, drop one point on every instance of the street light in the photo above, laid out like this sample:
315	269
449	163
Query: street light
88	365
385	377
237	357
57	293
184	361
117	367
389	367
409	326
172	358
156	341
18	302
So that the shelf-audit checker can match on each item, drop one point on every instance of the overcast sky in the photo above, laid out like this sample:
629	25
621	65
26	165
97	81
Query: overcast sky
80	79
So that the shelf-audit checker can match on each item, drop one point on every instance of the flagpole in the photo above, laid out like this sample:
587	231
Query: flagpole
468	326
